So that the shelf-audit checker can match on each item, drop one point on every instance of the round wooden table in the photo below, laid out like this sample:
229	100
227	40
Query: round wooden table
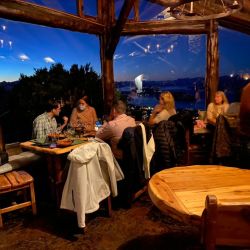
181	191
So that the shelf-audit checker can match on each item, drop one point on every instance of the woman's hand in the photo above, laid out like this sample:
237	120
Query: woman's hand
157	109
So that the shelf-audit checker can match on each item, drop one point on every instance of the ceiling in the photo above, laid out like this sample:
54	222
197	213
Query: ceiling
239	21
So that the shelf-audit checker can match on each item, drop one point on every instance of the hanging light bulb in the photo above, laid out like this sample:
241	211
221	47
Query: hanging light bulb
10	44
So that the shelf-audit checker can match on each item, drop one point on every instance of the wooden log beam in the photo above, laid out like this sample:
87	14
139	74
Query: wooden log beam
79	5
32	13
136	10
212	69
165	27
99	11
239	21
235	24
107	61
171	3
117	30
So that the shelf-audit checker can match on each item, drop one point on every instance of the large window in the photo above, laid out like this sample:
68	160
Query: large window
25	47
234	70
147	65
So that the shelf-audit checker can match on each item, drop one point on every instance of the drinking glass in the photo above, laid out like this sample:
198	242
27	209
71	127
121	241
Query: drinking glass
70	131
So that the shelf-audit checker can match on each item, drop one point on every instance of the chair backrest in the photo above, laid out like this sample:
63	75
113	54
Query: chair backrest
225	224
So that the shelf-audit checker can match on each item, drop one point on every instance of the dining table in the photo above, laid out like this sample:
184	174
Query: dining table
56	160
180	192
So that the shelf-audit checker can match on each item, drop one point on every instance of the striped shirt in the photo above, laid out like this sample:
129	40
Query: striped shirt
43	125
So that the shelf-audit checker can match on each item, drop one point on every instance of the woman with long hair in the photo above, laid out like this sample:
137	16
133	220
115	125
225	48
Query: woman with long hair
164	109
218	107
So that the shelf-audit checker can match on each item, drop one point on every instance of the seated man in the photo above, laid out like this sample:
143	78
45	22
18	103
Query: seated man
45	123
112	131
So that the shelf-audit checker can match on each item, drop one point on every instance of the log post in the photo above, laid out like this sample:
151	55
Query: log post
79	6
136	10
212	71
107	18
2	143
108	43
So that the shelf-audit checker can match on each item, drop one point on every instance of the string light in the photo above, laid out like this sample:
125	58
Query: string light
10	44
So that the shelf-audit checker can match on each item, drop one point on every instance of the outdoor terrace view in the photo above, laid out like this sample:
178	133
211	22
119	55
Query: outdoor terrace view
113	134
174	63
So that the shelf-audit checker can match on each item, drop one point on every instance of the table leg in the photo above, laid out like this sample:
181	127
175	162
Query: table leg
55	170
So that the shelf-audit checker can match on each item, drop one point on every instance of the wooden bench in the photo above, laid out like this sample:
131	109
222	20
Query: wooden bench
20	161
15	181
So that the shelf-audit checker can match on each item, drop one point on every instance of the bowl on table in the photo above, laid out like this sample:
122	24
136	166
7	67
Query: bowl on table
64	142
56	136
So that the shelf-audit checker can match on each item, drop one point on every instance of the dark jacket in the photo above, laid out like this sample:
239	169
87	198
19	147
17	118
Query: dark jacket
170	141
165	154
131	144
221	139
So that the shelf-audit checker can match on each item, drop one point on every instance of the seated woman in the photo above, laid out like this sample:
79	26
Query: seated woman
83	118
218	107
164	109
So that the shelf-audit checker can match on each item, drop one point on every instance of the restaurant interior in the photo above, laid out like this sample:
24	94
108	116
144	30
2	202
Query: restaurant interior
192	192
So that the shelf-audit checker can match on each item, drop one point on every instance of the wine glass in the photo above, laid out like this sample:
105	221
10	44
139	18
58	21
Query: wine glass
79	128
58	132
70	131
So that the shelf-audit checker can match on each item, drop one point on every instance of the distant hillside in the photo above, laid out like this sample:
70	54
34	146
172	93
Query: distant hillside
8	86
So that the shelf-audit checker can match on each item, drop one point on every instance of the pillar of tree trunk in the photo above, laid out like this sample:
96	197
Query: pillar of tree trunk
107	18
2	143
212	74
107	77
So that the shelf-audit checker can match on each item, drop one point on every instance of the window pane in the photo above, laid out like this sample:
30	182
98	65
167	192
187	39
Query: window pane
234	71
147	65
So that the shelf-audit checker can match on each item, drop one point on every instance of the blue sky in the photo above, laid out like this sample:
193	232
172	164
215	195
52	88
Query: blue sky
24	47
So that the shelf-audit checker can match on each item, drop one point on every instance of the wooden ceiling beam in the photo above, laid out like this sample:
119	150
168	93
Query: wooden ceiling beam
234	23
136	10
80	10
240	20
165	27
117	29
32	13
171	3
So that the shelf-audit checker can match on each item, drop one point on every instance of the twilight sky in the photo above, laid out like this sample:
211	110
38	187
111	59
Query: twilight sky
25	47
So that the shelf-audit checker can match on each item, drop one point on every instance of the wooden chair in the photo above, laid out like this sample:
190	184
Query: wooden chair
16	181
225	224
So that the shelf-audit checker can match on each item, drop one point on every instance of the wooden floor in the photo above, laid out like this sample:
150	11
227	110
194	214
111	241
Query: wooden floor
142	226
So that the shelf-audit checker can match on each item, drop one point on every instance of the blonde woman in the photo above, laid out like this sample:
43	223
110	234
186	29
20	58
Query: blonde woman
164	109
218	107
